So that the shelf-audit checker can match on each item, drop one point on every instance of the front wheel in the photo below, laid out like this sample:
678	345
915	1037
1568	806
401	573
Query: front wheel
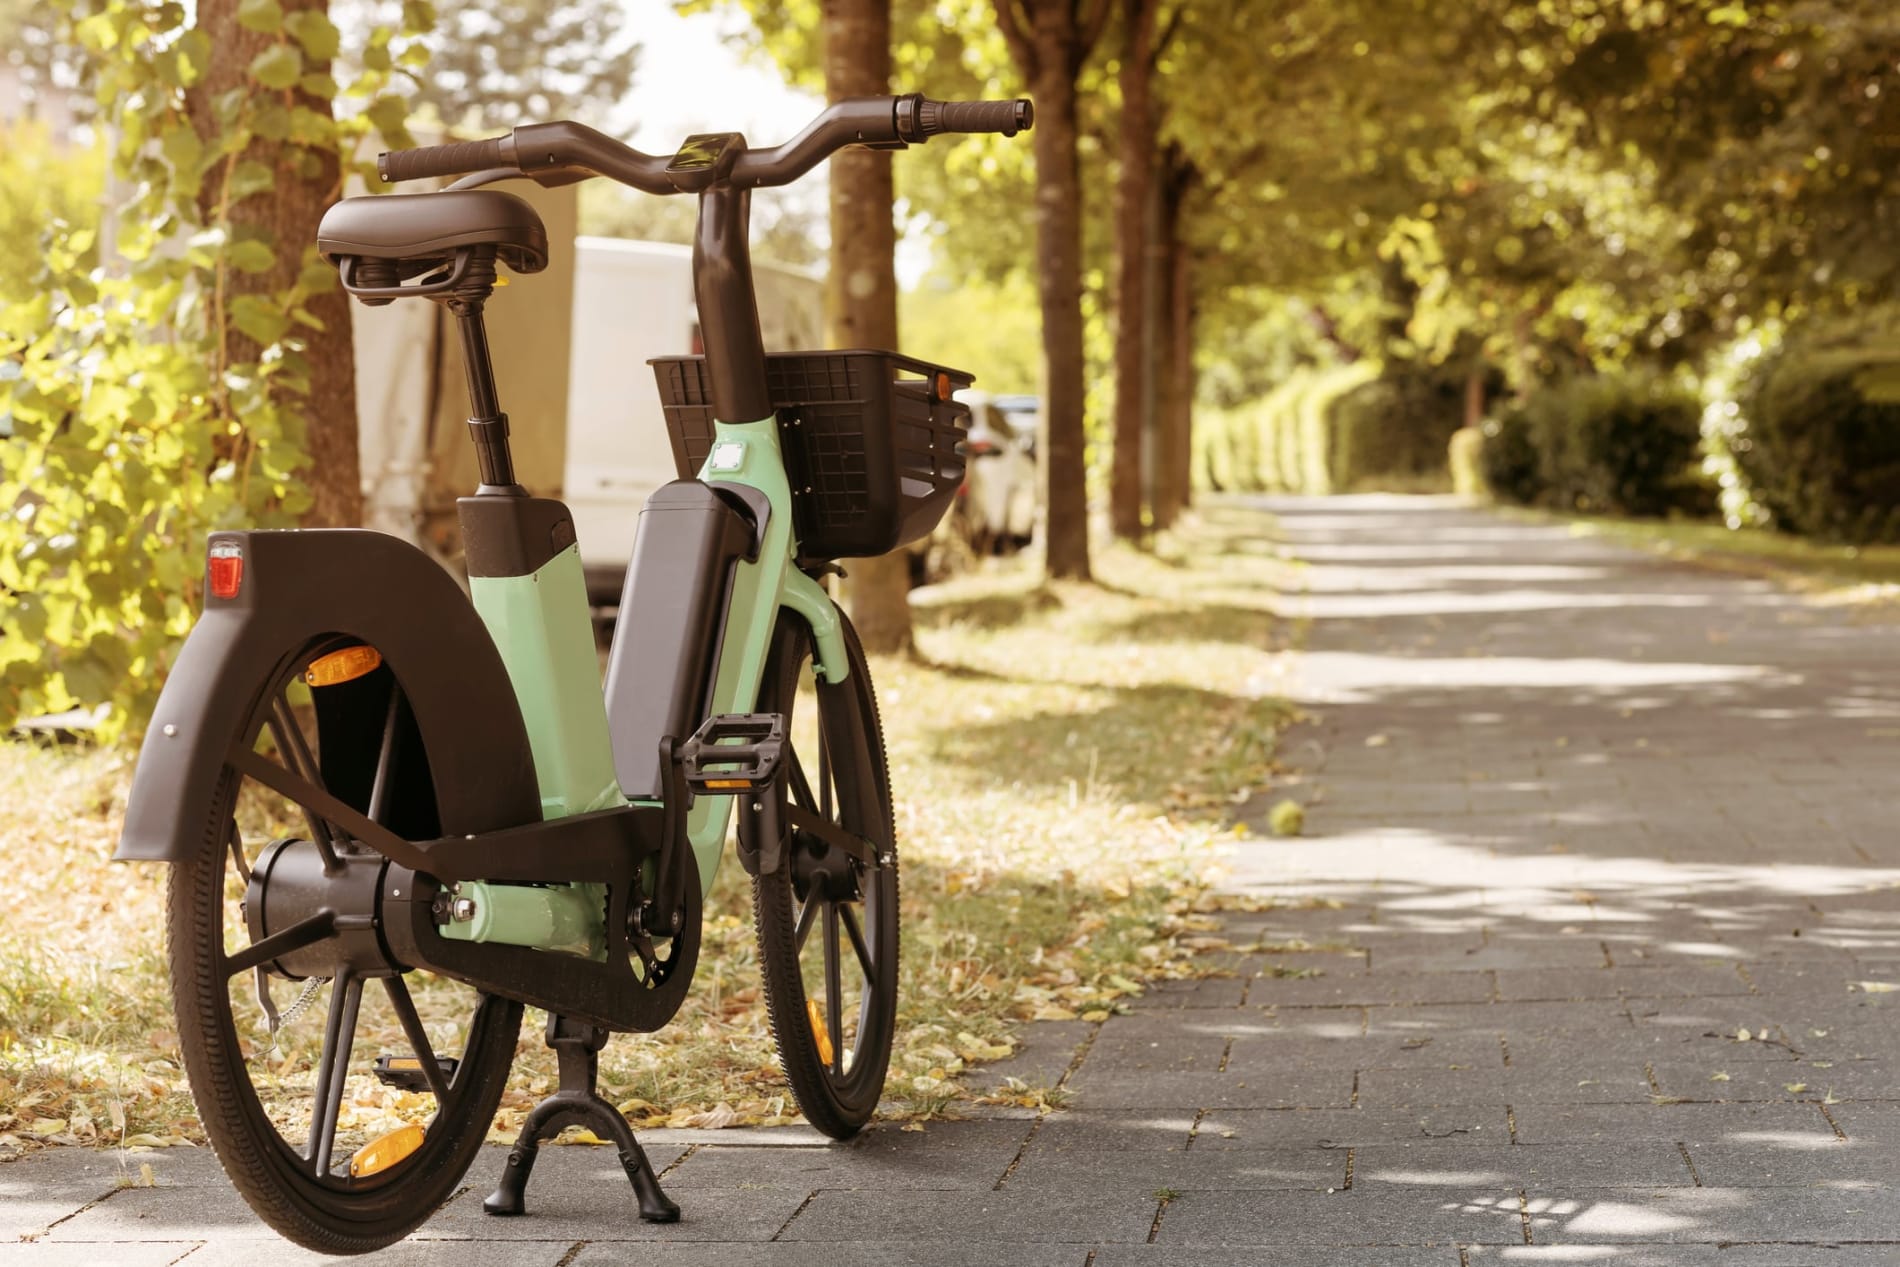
827	922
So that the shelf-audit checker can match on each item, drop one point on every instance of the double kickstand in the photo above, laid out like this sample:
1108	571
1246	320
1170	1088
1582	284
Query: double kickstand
577	1047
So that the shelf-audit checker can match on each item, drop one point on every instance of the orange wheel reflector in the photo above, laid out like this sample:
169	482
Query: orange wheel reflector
342	666
816	1016
382	1153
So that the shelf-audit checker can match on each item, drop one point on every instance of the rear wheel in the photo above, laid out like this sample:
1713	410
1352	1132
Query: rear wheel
827	920
293	1110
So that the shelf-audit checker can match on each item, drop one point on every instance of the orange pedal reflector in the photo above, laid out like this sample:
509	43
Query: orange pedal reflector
739	784
383	1152
816	1015
343	666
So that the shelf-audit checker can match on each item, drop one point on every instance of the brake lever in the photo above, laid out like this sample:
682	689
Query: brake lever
549	178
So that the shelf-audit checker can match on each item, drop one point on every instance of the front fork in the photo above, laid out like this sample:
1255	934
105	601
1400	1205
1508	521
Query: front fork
540	625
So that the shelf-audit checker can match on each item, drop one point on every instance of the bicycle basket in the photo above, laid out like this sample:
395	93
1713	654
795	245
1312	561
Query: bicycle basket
873	447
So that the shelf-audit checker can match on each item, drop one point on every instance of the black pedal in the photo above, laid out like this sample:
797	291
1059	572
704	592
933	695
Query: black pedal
405	1072
734	752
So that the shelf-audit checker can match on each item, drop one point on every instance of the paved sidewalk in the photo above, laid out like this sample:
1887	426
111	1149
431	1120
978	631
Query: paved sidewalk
1579	962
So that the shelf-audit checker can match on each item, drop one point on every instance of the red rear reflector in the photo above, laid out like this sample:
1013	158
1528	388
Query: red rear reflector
227	569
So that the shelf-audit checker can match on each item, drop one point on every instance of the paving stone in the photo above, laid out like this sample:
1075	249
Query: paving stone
1195	1169
1393	1088
411	1253
1117	1130
1207	992
1787	1125
39	1190
1461	1216
1373	989
1244	1129
1712	1214
1270	1256
808	1169
151	1254
966	1251
1847	1165
1046	1053
593	1209
1433	1164
1636	1255
1062	1214
1291	1088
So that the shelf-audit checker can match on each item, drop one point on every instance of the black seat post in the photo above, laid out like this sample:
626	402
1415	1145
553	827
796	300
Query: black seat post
487	424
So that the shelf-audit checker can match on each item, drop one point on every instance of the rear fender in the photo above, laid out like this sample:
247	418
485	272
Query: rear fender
303	585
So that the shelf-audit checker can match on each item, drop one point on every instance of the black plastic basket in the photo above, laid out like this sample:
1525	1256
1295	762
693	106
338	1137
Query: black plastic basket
872	443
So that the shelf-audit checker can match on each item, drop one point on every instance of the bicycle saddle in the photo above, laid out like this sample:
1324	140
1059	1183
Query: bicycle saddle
424	226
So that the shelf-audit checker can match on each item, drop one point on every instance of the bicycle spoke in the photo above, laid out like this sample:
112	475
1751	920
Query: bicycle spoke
298	761
824	771
305	932
333	1067
857	943
418	1037
834	990
805	914
237	853
801	790
380	787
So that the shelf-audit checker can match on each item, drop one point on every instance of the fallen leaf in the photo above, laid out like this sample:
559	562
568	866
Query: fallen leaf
1877	987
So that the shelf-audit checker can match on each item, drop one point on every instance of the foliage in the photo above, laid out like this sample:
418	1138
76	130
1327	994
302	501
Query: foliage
1622	443
1054	841
136	431
1285	442
1820	440
493	64
1395	427
986	328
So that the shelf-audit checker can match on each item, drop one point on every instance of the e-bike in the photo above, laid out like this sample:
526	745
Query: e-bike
363	776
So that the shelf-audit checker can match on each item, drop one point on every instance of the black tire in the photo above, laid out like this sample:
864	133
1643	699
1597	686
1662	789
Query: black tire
816	884
325	1211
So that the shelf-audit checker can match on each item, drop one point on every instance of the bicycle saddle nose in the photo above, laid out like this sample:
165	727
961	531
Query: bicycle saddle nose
421	226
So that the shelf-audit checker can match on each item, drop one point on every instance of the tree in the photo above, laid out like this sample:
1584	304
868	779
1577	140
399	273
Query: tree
286	49
1134	325
1050	40
493	64
861	286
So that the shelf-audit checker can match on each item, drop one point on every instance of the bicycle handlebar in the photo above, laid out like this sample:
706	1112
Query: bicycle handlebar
875	122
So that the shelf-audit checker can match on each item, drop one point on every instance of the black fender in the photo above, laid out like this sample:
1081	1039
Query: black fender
300	585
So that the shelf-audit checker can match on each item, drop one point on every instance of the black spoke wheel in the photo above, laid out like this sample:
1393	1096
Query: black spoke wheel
292	1114
827	917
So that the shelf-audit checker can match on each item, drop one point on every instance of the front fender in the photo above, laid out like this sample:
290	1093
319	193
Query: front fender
300	585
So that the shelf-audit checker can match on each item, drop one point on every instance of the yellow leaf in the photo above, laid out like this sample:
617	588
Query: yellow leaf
48	1126
1878	987
1050	1012
1718	1077
1795	1088
1097	1016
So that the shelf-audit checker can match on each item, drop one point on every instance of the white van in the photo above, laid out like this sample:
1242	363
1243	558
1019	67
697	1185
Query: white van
634	301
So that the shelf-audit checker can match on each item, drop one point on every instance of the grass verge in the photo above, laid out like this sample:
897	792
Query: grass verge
1063	758
1837	573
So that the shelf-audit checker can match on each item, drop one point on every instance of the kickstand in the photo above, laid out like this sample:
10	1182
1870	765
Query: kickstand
577	1047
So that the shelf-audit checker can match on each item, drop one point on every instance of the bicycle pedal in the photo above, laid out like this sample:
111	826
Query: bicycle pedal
733	752
405	1072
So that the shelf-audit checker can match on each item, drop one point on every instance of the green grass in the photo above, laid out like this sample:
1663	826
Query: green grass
1840	571
1063	759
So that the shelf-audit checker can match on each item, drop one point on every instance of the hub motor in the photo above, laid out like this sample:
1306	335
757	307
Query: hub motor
289	887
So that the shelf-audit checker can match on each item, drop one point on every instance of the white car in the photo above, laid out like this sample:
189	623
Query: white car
998	500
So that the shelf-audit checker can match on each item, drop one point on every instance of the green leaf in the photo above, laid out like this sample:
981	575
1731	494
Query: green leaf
1729	15
314	30
252	256
318	85
259	319
182	148
250	177
277	67
266	17
194	55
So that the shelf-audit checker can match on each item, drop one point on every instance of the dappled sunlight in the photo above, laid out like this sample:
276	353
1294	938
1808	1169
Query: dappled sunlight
1358	678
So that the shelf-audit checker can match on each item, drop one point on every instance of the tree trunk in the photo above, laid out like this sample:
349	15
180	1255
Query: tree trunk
1175	442
1133	187
861	291
1063	456
285	217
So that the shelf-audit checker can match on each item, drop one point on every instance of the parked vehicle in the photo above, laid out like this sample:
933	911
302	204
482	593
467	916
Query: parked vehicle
998	505
362	776
633	301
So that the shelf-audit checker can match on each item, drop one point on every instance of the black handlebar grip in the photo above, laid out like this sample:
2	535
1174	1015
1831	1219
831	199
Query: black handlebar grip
443	160
1005	117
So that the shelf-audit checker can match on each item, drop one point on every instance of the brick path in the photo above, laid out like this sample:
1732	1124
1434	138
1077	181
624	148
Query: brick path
1571	967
